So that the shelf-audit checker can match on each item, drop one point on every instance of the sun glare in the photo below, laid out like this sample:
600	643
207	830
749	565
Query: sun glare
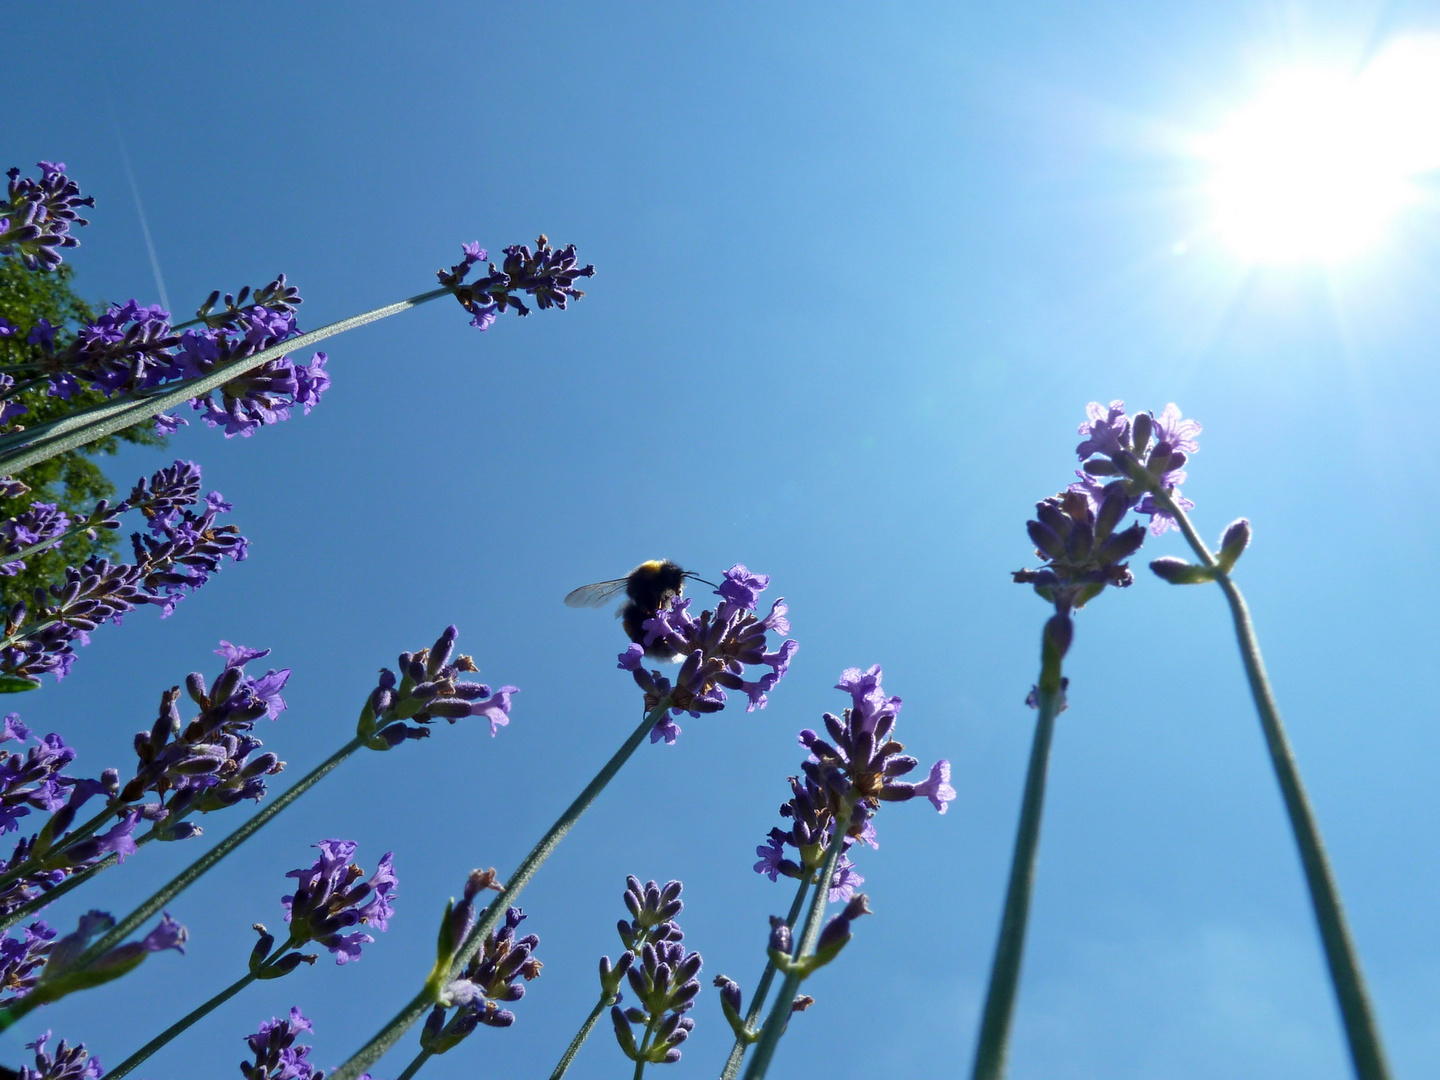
1318	166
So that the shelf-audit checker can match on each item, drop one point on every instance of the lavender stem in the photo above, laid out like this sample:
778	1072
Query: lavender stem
779	1016
762	991
1361	1029
19	450
994	1040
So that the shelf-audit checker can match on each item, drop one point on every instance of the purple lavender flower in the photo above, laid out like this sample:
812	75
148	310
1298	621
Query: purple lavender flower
665	984
36	216
1116	445
1077	533
22	958
186	549
206	765
546	274
276	1055
844	781
716	648
495	975
330	897
428	689
67	1063
31	781
278	296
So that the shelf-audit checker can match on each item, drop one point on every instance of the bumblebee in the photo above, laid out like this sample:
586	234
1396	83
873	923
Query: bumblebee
648	588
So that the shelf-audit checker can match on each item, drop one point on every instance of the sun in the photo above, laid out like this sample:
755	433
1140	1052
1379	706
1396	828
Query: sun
1318	166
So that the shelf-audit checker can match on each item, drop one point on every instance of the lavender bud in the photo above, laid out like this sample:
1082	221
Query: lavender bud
1234	543
1179	572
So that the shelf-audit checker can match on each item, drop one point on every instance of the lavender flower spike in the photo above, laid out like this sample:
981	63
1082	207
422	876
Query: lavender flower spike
717	647
429	688
36	216
276	1055
1149	452
495	975
330	897
67	1063
547	274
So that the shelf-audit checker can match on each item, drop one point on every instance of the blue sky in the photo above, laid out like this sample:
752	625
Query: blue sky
859	270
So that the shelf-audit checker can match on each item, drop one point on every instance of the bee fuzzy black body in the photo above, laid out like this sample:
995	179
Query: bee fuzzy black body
648	588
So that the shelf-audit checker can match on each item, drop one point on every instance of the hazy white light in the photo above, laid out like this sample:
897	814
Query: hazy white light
1317	166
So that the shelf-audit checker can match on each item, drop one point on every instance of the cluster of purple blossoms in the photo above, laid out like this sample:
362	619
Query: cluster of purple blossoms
61	973
133	348
1125	461
36	216
330	897
206	765
653	908
493	977
660	973
429	688
22	958
261	396
1077	534
183	548
846	778
43	526
276	1055
716	648
1146	452
547	274
67	1063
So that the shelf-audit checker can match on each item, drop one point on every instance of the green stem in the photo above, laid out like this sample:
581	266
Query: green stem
1361	1029
606	1000
762	990
390	1034
126	1066
74	881
414	1066
37	862
21	449
645	1041
191	873
994	1040
779	1016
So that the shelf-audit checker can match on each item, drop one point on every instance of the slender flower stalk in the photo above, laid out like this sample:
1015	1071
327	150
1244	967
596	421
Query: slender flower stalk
547	275
993	1045
746	1037
202	1010
804	948
1362	1031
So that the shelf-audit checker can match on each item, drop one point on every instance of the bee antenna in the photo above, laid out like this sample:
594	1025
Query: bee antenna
697	577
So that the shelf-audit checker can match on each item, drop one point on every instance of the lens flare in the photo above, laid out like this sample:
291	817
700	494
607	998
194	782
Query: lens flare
1318	166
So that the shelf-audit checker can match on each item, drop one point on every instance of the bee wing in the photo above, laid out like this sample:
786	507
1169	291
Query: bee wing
596	595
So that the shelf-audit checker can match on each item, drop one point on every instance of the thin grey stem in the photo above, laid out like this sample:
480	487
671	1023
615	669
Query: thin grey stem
126	1066
190	874
994	1042
1362	1031
414	1066
21	449
390	1034
606	1000
779	1016
762	990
